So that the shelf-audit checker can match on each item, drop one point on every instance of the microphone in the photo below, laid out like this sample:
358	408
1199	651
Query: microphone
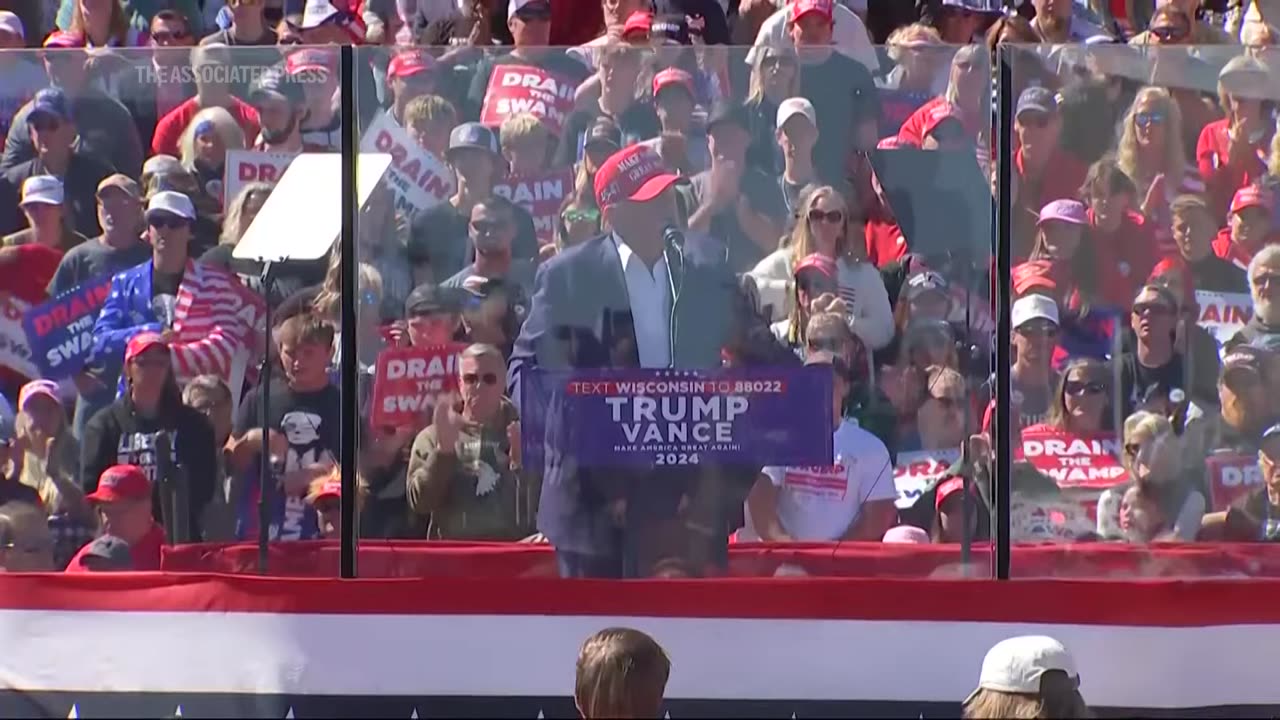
672	238
673	244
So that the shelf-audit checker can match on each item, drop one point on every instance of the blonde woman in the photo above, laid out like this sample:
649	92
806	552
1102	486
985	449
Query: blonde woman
203	148
775	76
1151	154
102	24
50	463
243	209
328	306
919	74
823	228
1153	457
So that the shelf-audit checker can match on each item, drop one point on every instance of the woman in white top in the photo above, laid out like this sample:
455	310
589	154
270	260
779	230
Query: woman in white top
1152	455
822	227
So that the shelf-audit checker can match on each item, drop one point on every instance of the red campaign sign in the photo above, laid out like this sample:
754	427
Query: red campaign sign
542	195
1074	461
517	89
408	381
1231	477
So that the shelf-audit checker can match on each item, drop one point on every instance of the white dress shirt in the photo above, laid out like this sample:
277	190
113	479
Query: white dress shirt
650	293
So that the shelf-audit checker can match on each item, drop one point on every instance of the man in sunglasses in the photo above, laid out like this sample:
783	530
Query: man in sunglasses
492	231
464	470
144	299
60	154
1032	378
1155	359
440	236
1164	31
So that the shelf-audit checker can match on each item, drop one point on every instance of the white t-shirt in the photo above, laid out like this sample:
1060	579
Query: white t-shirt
820	503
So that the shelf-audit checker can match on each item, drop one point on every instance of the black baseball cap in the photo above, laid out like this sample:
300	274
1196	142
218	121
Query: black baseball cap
724	111
431	299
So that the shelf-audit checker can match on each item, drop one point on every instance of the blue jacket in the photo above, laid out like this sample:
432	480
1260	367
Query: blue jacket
127	312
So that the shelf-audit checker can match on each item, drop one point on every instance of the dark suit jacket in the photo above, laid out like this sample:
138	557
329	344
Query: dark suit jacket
580	317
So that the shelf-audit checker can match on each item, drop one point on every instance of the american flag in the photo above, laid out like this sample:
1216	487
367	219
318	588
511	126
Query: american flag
215	319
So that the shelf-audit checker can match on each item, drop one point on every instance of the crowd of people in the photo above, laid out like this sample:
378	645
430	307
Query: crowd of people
684	184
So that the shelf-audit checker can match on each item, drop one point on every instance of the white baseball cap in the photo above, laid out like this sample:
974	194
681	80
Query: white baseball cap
1016	665
796	106
1033	307
10	23
43	190
174	203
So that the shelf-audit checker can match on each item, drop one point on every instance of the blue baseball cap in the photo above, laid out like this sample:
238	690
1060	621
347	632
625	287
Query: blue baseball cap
473	135
52	102
1037	99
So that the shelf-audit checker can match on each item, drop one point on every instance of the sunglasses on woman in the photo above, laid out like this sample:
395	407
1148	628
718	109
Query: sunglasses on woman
1169	32
1147	119
834	217
1077	388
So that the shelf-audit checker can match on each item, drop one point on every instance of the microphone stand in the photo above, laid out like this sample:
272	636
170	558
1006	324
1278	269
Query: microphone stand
172	482
673	244
266	488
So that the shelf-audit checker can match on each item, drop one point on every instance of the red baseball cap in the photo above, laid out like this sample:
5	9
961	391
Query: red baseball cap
312	59
410	62
121	482
1253	196
800	8
946	489
633	173
673	76
638	21
330	489
141	343
818	262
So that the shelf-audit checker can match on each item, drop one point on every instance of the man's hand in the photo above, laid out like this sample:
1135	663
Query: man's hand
1238	145
1155	195
86	384
448	424
724	180
513	441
